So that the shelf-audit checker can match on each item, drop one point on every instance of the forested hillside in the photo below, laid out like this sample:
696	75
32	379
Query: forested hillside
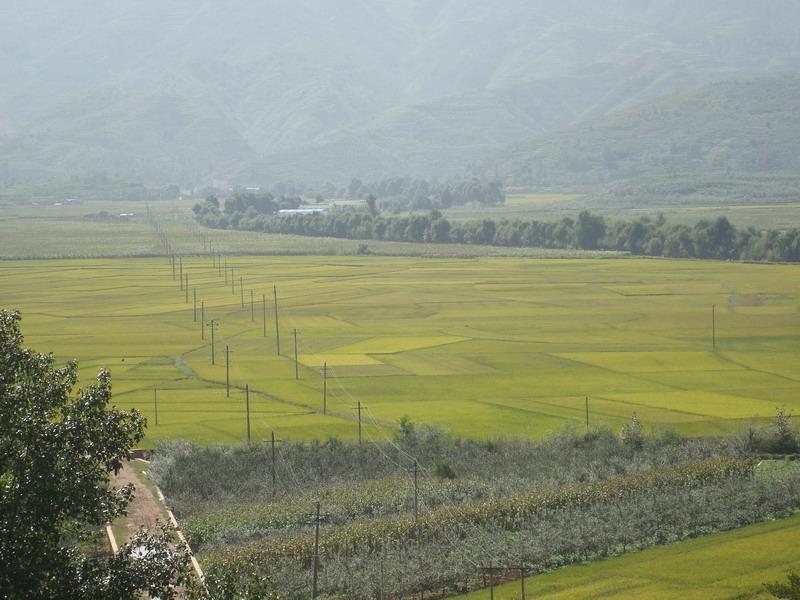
733	130
185	92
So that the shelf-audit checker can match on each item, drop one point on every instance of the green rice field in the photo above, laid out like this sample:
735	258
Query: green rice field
483	347
733	564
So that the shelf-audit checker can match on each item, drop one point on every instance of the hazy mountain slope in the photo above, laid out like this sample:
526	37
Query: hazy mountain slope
750	126
315	89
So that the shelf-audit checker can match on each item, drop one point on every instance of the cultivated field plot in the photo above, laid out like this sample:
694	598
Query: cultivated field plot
733	564
484	347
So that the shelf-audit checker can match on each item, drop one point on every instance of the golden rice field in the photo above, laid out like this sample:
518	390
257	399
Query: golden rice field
483	347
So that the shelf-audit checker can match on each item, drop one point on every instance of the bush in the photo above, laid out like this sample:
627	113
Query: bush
788	591
444	470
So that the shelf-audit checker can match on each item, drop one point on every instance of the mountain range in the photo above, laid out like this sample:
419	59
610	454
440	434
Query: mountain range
186	92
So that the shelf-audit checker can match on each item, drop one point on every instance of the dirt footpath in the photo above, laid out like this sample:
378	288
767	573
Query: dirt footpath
144	510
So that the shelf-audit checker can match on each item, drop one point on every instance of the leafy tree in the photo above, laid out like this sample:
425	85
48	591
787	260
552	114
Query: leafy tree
589	230
56	453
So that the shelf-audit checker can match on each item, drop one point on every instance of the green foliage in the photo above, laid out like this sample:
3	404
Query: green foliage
779	438
56	453
406	426
399	194
789	590
442	470
718	239
631	433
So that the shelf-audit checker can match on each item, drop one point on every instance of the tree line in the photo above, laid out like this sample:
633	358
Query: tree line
398	194
645	236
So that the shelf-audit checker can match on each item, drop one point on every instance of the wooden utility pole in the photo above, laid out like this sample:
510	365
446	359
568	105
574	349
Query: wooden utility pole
247	404
325	388
264	308
194	311
252	308
226	271
155	402
186	289
212	323
202	319
359	422
227	371
173	266
491	571
714	326
277	329
274	476
316	554
416	501
380	579
233	283
587	414
241	289
296	371
180	258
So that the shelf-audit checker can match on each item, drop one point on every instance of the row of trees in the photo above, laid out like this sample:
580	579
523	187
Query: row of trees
714	239
398	194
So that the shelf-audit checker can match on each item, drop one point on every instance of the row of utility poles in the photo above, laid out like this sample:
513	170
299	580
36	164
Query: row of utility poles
228	273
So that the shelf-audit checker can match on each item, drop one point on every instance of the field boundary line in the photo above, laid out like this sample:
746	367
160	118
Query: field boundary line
195	563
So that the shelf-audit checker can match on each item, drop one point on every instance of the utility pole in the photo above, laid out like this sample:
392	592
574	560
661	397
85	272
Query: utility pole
325	388
180	258
247	402
264	303
277	329
241	289
212	323
587	414
227	371
316	554
296	373
194	311
226	271
359	422
380	579
274	478
233	283
714	326
155	402
186	289
219	265
172	256
252	308
202	319
416	501
491	570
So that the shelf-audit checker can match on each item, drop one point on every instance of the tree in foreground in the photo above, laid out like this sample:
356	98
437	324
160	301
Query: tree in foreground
57	450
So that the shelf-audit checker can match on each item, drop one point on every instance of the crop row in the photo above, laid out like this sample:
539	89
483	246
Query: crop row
340	504
510	512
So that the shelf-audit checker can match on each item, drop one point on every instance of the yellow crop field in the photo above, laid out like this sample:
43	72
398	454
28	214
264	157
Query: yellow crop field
483	347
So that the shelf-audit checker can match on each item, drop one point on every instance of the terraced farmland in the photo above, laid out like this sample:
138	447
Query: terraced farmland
484	347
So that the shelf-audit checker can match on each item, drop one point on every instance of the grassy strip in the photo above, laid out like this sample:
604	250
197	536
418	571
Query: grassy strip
721	566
